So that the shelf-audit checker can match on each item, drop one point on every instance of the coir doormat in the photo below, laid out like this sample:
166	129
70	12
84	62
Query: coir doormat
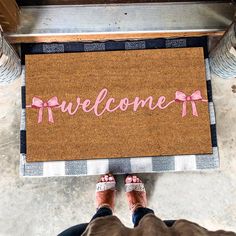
116	104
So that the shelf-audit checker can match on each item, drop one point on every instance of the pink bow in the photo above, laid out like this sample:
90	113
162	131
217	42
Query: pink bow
38	103
181	97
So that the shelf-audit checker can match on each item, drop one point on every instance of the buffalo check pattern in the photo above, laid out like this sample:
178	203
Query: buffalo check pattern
124	165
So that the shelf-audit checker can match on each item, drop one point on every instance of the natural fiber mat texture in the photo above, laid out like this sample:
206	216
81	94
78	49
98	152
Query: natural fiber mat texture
176	108
116	104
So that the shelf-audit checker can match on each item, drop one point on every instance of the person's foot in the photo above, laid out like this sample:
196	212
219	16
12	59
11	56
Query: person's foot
135	192
105	191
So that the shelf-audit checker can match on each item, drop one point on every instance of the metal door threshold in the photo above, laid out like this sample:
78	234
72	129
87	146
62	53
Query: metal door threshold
121	21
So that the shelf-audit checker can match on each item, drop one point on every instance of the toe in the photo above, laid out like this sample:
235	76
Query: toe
140	181
106	177
134	179
128	179
111	178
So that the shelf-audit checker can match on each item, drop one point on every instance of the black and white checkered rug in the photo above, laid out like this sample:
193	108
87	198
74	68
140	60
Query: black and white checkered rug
124	165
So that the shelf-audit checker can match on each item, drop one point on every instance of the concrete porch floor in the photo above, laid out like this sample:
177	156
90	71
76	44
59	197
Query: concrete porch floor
46	206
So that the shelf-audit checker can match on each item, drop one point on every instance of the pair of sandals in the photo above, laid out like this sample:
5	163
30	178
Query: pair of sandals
134	188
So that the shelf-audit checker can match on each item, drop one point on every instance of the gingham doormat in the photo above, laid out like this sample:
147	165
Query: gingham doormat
124	165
